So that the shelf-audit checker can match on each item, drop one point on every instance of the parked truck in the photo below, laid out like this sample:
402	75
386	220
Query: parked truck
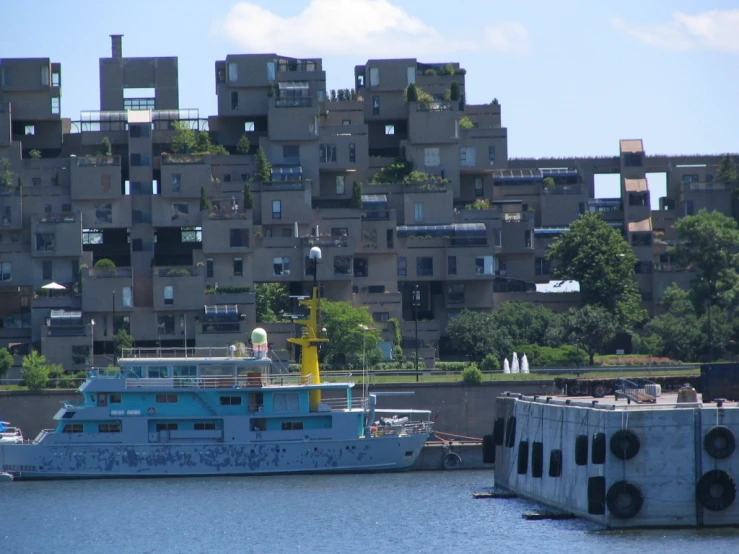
598	387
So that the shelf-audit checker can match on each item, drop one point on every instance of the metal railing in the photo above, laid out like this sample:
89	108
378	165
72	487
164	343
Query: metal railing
63	217
94	161
190	352
263	380
403	429
293	102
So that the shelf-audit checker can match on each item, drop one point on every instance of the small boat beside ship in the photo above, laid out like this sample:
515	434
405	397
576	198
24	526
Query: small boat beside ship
218	412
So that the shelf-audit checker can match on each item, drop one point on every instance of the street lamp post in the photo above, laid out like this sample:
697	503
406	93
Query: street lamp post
416	304
92	343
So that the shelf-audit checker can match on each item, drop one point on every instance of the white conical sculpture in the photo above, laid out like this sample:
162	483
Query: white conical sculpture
524	364
514	363
506	366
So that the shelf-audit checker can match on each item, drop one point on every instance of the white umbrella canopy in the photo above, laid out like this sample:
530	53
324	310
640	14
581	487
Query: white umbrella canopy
54	286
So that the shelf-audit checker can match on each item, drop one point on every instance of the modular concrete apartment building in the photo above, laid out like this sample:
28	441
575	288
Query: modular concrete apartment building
140	207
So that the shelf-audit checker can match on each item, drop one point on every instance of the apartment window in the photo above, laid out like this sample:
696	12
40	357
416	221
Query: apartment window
361	267
633	159
245	177
45	76
209	267
339	184
455	294
411	74
276	209
375	105
104	213
424	266
138	104
541	266
6	271
66	208
233	72
45	242
270	71
374	76
46	270
328	153
29	130
56	79
431	157
127	293
491	155
528	239
268	233
689	207
291	153
238	237
339	231
380	317
176	182
140	160
7	215
484	265
369	238
467	156
281	265
287	232
389	238
169	295
238	266
352	152
55	105
641	239
92	236
479	191
389	129
451	265
226	177
402	266
248	126
496	237
47	208
234	100
418	211
342	265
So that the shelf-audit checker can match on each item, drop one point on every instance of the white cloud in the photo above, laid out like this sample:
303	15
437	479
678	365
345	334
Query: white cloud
373	28
712	30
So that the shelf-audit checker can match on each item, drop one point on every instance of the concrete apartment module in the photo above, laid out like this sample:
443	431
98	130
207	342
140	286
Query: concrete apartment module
618	464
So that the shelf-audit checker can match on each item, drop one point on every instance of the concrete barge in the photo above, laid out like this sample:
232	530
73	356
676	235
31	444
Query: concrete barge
621	464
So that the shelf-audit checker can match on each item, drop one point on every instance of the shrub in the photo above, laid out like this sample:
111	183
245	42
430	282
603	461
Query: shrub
178	272
35	371
451	366
35	154
104	263
472	375
546	356
479	204
490	363
465	123
430	73
226	289
411	93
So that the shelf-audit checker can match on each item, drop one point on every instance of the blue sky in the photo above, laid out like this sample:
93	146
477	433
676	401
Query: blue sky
573	77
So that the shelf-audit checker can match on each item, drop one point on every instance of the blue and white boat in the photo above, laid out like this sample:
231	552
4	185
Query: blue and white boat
209	412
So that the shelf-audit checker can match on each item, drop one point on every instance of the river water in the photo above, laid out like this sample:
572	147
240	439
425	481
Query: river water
406	512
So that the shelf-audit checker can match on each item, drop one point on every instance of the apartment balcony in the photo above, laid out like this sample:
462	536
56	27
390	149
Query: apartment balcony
183	159
99	285
228	236
95	178
178	288
222	298
435	123
56	235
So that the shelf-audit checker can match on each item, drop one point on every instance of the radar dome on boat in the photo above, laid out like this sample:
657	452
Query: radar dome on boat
259	336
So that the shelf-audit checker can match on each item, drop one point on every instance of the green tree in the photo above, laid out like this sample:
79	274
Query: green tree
105	148
411	93
242	147
490	363
398	354
394	173
477	335
202	142
341	95
263	167
7	177
272	301
527	323
677	334
104	263
204	204
34	154
466	123
357	195
6	361
709	241
351	335
471	375
598	257
590	327
122	340
248	198
333	95
35	371
454	92
726	170
183	141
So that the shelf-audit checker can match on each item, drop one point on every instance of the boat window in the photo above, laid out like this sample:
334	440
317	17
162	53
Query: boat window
185	371
166	427
159	372
258	424
112	427
213	370
102	399
73	428
166	398
292	425
286	402
204	426
68	415
115	398
230	400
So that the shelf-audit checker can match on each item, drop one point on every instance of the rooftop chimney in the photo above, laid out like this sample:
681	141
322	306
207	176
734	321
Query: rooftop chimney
116	45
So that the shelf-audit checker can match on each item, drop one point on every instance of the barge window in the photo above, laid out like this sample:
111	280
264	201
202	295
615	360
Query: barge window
166	427
204	426
73	428
115	398
166	398
230	401
113	427
292	425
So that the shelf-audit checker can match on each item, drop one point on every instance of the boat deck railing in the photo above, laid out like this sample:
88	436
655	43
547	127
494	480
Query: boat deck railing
260	380
339	404
403	429
189	352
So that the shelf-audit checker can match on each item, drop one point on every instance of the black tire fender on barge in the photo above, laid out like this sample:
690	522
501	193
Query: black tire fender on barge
624	500
452	460
716	490
625	444
719	442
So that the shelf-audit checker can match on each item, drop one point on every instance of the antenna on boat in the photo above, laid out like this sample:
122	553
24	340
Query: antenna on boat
309	340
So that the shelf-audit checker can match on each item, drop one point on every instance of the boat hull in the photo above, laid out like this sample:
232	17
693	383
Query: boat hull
39	461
